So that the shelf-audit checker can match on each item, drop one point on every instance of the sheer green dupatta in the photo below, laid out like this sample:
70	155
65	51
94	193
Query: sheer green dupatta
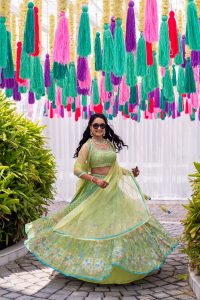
105	213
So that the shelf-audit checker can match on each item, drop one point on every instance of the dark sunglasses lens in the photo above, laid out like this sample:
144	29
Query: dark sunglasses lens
95	125
102	126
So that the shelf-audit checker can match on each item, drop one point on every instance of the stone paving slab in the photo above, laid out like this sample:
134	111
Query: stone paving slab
27	278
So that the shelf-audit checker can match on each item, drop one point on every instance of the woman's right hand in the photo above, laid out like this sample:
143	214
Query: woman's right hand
101	183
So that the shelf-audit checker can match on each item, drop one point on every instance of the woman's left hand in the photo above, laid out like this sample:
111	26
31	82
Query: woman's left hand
135	171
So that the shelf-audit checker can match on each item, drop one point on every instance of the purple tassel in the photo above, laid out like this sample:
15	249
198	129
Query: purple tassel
115	80
84	108
47	81
183	47
116	105
62	113
166	107
31	98
81	68
172	106
112	26
16	94
151	95
89	113
157	97
2	80
9	83
130	28
178	114
199	114
194	58
83	92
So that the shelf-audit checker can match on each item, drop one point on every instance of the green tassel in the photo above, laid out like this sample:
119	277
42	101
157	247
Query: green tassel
146	84
84	39
72	80
133	95
162	99
167	86
59	70
110	117
178	60
108	50
139	115
98	53
54	104
9	93
190	84
84	100
37	77
119	50
29	33
64	98
131	78
95	92
173	75
163	46
192	37
126	112
153	74
193	116
107	105
9	70
52	89
61	82
66	85
22	89
37	96
180	104
121	107
181	81
141	57
25	65
73	106
85	115
3	43
108	83
144	95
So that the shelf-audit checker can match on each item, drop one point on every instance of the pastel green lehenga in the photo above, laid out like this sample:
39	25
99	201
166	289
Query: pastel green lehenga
103	235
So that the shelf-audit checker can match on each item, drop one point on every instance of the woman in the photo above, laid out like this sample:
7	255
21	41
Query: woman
106	234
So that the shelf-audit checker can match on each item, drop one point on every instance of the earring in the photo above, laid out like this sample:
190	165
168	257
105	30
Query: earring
104	134
91	133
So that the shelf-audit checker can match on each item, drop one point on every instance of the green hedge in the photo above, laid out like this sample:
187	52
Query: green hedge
27	173
192	222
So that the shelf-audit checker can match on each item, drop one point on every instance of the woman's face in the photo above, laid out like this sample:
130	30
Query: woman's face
98	127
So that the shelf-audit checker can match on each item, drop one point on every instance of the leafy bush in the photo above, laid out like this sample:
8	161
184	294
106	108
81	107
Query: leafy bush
192	222
27	173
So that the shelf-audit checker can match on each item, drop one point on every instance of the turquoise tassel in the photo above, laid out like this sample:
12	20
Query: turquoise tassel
29	33
163	47
167	86
95	92
126	112
178	60
153	74
108	83
84	39
141	57
190	84
180	104
22	89
52	89
173	75
98	53
37	77
108	50
59	70
181	81
119	50
9	70
131	78
144	95
9	93
84	100
133	95
72	80
64	98
192	27
3	43
25	65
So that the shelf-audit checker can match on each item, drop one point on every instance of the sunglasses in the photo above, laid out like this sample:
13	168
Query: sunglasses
96	125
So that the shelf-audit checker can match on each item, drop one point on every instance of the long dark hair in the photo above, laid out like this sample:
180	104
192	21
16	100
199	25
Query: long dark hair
109	134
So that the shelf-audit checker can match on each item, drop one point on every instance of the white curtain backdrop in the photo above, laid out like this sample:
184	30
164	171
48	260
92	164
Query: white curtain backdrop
164	151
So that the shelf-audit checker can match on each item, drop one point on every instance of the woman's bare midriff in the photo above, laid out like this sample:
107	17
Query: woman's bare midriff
100	170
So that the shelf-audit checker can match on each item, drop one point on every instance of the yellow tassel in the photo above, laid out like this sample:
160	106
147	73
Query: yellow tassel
165	7
61	6
124	15
3	8
14	38
38	3
71	30
78	14
106	11
141	15
187	51
180	22
154	47
22	17
51	36
198	7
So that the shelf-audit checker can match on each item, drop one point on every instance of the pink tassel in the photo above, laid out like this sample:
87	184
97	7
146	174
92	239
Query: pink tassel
61	51
151	21
124	94
194	100
103	93
78	102
58	101
162	71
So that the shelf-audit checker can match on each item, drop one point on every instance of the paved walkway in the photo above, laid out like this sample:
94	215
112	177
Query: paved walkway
27	278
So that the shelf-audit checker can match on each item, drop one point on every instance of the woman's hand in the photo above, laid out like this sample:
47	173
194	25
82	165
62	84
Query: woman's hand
101	183
135	171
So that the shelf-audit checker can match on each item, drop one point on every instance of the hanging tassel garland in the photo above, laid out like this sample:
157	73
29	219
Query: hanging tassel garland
149	54
178	60
95	92
3	43
47	80
72	80
108	50
151	21
119	50
29	32
9	70
98	53
130	28
192	27
37	32
141	60
181	81
168	87
131	78
190	85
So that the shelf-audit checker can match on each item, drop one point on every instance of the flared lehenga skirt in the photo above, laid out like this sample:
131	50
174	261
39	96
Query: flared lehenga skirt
107	237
